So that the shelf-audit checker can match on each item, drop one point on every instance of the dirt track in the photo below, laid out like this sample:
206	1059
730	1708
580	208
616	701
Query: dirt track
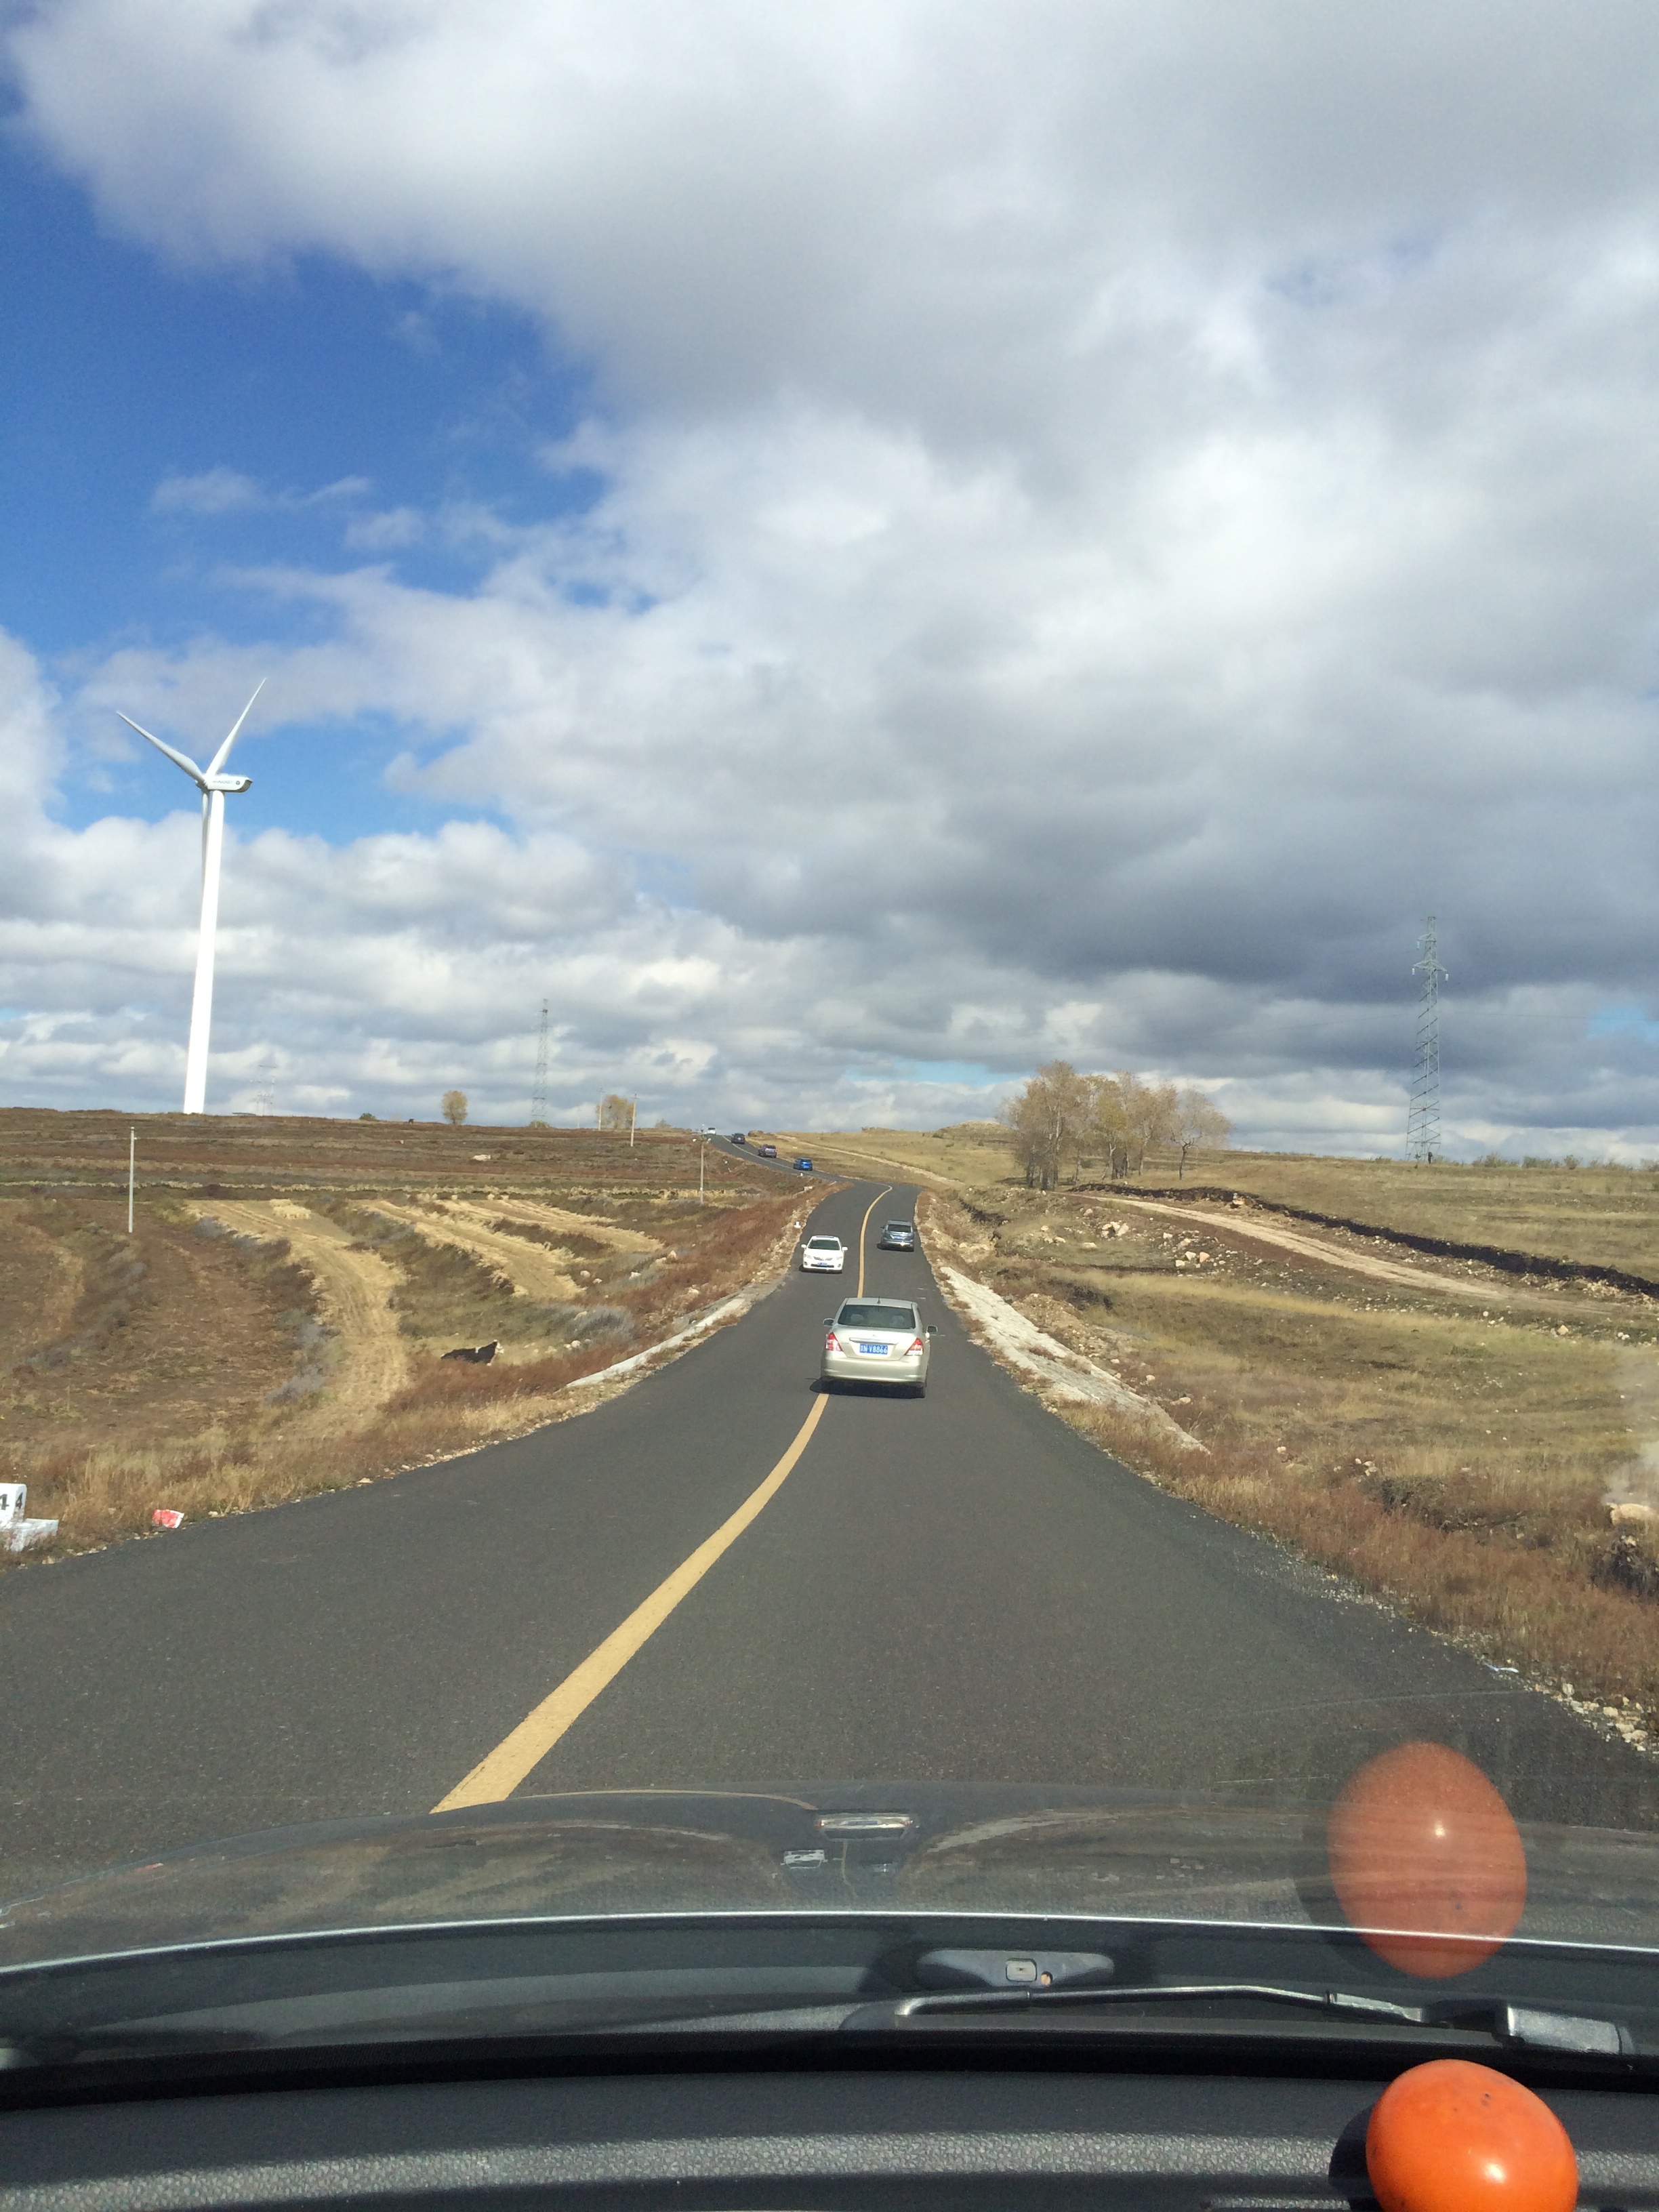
39	1283
354	1292
1262	1230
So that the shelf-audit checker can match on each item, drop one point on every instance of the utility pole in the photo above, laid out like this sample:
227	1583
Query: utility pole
132	1161
633	1122
703	1148
1422	1119
538	1095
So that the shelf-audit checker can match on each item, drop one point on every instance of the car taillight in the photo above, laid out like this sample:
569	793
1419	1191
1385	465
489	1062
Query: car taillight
920	1345
831	1343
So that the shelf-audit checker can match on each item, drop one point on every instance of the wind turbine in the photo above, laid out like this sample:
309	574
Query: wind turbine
213	786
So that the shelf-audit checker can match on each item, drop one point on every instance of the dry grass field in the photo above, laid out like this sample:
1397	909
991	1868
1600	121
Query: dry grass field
1449	1433
276	1322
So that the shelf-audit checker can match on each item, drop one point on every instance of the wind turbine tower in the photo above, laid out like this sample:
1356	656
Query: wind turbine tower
213	784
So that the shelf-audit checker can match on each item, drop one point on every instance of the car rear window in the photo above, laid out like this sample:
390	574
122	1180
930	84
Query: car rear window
860	1313
892	1225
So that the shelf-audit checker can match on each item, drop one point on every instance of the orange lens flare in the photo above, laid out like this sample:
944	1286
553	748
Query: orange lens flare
1426	1861
1452	2136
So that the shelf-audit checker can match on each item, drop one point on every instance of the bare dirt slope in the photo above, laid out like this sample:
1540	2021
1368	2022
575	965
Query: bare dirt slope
557	1219
354	1291
533	1270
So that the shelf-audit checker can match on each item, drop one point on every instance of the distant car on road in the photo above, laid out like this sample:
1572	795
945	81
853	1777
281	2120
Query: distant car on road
878	1341
898	1236
738	1137
827	1253
768	1151
804	1164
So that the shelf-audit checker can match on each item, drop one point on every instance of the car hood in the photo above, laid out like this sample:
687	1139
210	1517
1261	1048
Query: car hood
813	1848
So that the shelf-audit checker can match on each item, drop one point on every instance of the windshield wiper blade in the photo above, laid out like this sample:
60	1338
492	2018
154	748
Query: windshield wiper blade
1526	2027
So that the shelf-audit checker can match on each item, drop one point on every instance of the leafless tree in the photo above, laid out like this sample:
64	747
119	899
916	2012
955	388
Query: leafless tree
454	1108
1127	1118
1046	1119
1200	1125
1151	1115
1114	1120
1106	1134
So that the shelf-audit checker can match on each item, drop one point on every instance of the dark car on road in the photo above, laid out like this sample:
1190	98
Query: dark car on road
768	1151
738	1137
804	1164
898	1237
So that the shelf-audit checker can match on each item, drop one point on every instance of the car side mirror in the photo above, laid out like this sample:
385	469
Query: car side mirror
931	1331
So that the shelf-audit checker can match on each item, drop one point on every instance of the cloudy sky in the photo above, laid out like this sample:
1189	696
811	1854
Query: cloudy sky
854	549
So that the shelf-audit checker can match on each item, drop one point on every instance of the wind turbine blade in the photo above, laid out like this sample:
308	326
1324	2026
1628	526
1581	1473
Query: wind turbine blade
218	760
178	760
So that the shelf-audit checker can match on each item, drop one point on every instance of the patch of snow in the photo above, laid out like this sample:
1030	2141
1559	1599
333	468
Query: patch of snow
1029	1348
728	1310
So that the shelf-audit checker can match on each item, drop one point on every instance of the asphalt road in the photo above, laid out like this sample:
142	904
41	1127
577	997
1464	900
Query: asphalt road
950	1588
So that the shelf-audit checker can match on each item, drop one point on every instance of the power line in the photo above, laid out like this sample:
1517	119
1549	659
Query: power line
1423	1120
538	1095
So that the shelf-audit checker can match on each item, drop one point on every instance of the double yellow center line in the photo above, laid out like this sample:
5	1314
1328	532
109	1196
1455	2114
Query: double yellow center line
499	1774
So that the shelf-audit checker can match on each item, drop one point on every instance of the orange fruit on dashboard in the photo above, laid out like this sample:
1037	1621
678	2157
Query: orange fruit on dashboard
1426	1860
1453	2136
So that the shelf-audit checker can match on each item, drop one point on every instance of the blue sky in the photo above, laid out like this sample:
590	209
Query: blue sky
336	395
833	550
124	371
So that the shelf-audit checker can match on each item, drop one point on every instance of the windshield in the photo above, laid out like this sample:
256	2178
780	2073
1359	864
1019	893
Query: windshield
1063	616
863	1313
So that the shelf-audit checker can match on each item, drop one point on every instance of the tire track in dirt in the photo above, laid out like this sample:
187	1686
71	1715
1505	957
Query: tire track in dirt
39	1283
354	1294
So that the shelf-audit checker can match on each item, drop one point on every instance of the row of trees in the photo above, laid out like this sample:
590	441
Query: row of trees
1106	1122
616	1112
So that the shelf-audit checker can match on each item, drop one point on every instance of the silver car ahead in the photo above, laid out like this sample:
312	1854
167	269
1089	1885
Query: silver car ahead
878	1341
828	1253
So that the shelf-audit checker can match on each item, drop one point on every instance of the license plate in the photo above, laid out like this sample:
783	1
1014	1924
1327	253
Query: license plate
875	1351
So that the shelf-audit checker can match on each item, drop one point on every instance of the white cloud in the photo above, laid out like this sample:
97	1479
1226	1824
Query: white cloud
390	531
227	491
1108	515
214	491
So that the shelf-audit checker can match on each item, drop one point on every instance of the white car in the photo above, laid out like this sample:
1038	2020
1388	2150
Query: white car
826	1254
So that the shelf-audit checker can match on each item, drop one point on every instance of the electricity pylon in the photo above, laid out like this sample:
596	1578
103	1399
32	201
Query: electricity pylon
538	1095
1423	1120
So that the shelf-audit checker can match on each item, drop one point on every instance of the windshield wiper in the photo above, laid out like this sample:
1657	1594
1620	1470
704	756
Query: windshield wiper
1523	2026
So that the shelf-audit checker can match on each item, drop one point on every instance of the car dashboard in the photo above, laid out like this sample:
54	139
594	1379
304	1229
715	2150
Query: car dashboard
714	2136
